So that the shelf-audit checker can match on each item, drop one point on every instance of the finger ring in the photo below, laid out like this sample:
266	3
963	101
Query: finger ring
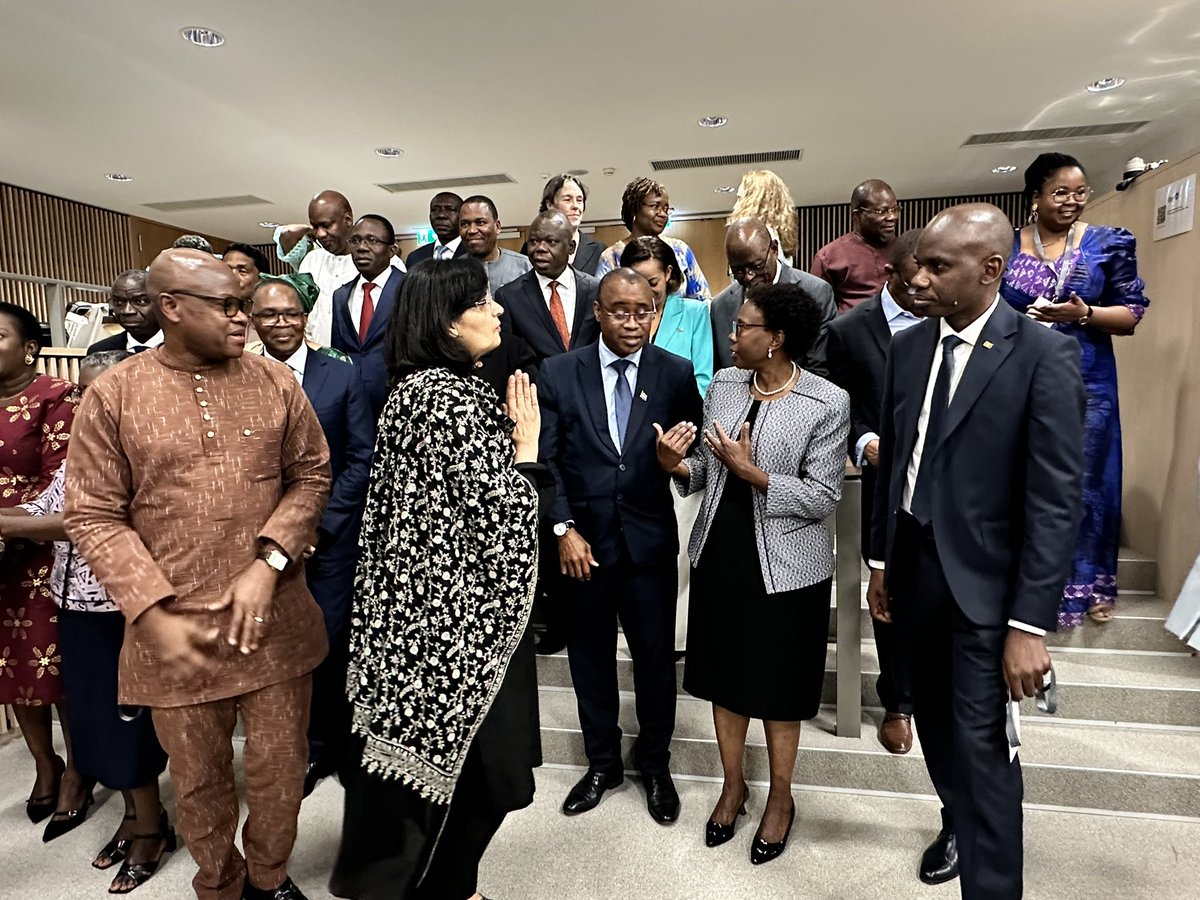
259	619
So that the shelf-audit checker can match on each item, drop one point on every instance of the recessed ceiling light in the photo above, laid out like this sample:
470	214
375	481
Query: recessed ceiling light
725	189
1105	84
1003	170
712	121
202	37
117	176
609	170
389	152
577	172
268	224
543	174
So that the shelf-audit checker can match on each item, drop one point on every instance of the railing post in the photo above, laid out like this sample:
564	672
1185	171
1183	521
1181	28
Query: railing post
848	523
56	312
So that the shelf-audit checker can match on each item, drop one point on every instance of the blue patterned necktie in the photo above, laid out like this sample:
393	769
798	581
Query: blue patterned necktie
622	398
921	506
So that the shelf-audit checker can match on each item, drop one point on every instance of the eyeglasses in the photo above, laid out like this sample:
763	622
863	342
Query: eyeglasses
231	306
658	207
882	212
484	301
739	326
642	316
1079	196
756	269
266	319
117	303
367	240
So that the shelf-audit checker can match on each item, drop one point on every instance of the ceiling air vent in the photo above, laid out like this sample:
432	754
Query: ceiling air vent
441	184
208	203
733	159
1052	134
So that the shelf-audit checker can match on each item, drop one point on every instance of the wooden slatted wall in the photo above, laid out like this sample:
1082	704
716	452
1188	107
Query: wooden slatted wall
821	224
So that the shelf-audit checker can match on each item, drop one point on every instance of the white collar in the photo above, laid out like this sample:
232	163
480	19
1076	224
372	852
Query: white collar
132	343
970	334
296	362
608	357
778	269
452	246
565	279
379	280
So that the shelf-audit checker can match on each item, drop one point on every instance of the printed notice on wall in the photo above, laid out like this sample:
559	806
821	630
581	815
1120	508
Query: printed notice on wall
1174	208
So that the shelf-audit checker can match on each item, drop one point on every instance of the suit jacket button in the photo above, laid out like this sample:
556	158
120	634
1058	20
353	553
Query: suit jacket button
620	496
621	467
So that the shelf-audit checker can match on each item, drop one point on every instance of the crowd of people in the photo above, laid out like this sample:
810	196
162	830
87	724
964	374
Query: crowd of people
349	504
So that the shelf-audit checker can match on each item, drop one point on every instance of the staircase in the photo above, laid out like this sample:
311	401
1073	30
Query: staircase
1126	737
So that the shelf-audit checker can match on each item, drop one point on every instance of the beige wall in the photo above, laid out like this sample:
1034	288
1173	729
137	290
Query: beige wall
1159	376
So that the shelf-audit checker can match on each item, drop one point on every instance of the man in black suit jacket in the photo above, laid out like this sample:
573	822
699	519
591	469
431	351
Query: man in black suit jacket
363	307
976	514
617	536
443	218
132	308
335	389
856	350
550	306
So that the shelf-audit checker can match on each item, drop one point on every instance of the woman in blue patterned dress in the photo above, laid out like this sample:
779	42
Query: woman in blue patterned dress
1082	280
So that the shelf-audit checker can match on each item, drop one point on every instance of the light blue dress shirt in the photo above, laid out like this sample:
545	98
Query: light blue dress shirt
898	319
609	377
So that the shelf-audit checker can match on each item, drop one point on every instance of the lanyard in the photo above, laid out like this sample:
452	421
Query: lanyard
1064	264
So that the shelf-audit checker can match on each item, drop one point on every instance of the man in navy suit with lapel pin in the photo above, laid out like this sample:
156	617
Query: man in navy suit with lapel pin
336	392
976	511
550	306
362	308
617	537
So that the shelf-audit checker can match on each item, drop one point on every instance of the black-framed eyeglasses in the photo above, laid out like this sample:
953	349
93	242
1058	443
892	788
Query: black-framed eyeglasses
116	303
367	240
267	319
641	316
231	306
756	269
1080	195
883	212
739	326
658	207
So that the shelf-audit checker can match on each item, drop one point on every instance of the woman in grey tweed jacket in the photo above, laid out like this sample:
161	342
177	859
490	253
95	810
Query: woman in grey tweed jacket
771	461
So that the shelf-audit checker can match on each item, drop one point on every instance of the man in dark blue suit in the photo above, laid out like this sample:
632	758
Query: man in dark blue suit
336	392
362	308
976	511
443	219
617	537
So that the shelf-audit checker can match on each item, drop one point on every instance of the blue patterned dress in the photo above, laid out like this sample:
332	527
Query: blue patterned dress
1103	273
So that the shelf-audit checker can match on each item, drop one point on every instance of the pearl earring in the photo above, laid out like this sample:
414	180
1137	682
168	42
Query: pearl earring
769	352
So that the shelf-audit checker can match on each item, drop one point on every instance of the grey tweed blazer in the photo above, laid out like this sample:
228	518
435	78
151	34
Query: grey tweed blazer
799	440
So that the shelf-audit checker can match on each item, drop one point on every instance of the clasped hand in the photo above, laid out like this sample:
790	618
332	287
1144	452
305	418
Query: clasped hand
1070	310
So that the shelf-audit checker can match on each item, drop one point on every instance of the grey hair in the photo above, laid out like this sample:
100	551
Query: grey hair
193	242
103	359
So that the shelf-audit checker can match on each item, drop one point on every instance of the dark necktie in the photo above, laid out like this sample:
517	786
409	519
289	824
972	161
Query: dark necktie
139	348
368	312
622	399
921	506
558	313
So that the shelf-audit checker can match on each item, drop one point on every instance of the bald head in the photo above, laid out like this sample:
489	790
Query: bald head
193	293
746	232
550	242
191	270
331	219
981	227
874	212
752	253
961	256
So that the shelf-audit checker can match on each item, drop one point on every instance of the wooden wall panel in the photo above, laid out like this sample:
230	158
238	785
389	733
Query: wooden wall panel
147	239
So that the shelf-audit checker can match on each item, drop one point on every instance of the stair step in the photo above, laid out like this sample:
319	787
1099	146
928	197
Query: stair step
1093	685
1065	765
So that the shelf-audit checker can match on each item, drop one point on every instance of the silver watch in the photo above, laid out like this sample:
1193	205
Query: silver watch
562	528
276	559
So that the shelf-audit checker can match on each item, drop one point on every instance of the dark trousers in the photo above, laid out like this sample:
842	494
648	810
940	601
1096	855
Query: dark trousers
959	708
330	576
892	685
643	597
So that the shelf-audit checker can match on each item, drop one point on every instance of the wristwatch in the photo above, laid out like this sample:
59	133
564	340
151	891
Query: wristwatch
563	527
276	559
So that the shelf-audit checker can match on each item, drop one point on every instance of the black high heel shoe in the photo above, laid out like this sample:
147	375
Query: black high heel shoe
140	873
71	819
115	850
41	808
761	851
716	834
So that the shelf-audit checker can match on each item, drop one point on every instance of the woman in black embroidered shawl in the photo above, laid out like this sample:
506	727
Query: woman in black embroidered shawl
442	674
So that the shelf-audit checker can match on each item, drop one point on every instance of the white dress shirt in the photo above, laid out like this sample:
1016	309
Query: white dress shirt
898	319
445	251
132	344
356	295
330	273
608	376
296	362
566	293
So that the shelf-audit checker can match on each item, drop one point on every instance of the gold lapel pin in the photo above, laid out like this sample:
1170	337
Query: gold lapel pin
987	345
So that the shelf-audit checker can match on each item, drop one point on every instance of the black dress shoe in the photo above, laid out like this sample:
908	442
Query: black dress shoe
590	788
286	891
761	851
661	798
939	862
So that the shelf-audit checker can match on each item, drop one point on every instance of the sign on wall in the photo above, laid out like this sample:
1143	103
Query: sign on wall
1174	208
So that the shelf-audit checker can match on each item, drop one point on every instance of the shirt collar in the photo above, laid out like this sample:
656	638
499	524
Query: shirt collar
451	245
893	310
607	357
565	279
296	362
970	334
379	280
778	270
131	343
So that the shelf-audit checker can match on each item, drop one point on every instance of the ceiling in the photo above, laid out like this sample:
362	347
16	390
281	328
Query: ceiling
302	93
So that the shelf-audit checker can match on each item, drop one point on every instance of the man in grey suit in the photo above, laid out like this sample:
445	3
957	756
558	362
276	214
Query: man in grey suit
754	259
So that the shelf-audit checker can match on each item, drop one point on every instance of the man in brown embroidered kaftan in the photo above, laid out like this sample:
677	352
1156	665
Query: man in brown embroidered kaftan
194	489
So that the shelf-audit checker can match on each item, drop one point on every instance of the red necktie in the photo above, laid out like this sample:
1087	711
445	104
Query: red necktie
368	312
559	314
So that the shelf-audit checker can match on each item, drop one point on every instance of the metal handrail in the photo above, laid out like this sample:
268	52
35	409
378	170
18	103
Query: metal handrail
847	523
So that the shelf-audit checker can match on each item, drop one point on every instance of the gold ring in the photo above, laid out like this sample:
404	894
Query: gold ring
259	619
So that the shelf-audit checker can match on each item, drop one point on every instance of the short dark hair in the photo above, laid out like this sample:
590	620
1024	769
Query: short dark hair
794	311
623	275
256	256
486	201
387	226
1043	167
132	275
651	247
193	242
435	293
554	185
904	246
28	326
635	195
